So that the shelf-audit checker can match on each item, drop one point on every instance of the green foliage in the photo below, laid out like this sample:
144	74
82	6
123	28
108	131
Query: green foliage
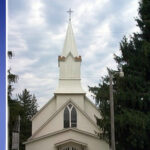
12	78
28	103
10	54
131	93
14	106
29	106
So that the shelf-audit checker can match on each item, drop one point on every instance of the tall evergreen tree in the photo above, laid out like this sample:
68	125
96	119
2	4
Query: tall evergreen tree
131	93
29	108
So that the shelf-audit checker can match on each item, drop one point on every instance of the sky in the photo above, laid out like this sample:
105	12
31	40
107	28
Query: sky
36	34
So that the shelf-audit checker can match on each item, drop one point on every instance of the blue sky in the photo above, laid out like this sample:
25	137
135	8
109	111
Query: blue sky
36	33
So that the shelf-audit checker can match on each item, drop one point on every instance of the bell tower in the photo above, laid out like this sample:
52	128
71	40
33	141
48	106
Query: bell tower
69	63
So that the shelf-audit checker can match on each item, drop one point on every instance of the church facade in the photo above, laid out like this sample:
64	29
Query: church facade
68	120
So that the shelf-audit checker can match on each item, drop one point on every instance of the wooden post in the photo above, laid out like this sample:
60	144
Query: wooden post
112	111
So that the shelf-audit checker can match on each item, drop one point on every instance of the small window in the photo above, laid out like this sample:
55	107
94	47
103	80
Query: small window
70	105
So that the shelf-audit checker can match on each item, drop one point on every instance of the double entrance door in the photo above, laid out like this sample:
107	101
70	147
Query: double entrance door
70	148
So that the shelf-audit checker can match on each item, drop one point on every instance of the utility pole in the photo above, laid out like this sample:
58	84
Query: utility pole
121	74
112	111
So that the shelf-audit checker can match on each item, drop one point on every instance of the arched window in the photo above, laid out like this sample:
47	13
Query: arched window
70	116
66	118
73	117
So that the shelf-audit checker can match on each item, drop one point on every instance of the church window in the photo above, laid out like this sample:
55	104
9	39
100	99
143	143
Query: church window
73	117
70	116
66	118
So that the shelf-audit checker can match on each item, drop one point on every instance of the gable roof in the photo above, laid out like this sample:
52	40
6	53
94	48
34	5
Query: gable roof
61	131
57	111
70	141
49	101
62	93
92	103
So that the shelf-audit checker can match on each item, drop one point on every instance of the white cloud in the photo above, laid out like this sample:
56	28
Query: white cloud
15	39
22	64
37	31
36	16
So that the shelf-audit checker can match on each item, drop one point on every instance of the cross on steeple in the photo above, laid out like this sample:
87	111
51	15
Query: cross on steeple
69	12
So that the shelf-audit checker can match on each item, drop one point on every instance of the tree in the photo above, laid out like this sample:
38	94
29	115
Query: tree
28	103
25	106
29	106
14	106
131	93
12	78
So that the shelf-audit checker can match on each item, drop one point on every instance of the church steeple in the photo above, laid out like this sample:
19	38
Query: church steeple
69	44
69	66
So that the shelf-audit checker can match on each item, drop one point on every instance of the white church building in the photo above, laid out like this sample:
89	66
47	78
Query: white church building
68	120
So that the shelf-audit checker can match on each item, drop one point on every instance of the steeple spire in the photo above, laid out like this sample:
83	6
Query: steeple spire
70	44
69	65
